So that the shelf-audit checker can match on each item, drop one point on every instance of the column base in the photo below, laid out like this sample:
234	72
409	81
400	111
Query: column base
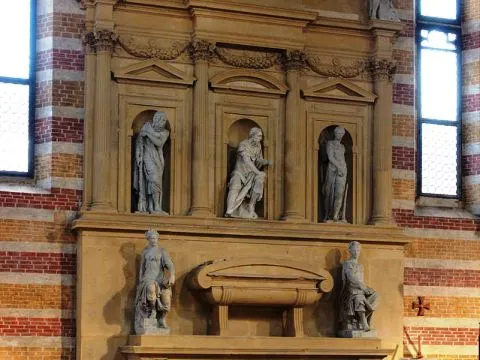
294	218
201	212
382	221
102	207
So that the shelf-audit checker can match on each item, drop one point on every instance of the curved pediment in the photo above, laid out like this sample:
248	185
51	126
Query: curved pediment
248	81
253	272
155	71
339	89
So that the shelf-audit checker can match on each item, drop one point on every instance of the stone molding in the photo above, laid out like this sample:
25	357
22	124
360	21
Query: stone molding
336	68
152	48
382	69
294	60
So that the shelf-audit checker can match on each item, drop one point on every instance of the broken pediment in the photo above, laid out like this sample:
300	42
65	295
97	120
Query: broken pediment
248	81
339	89
155	71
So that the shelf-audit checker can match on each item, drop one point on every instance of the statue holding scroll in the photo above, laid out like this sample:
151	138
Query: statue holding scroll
245	187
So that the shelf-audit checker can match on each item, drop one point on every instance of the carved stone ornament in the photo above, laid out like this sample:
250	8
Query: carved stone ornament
247	58
201	50
382	10
100	40
151	48
294	60
336	69
383	69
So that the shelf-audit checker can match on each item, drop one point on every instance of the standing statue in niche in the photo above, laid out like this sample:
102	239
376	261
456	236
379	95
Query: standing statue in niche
245	187
357	301
335	185
150	164
154	294
382	10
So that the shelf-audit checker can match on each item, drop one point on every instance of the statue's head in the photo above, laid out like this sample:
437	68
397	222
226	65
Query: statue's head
159	120
255	134
354	248
339	132
152	236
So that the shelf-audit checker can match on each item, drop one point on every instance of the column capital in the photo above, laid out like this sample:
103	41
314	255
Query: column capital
294	60
100	40
383	69
201	50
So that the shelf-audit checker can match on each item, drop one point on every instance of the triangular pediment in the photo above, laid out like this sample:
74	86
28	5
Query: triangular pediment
248	81
153	70
339	89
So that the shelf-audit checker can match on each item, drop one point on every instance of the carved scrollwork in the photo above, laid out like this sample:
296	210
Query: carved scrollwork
151	49
336	69
100	40
201	50
382	69
246	58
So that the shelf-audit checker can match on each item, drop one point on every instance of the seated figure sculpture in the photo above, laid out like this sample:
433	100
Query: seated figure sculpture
357	301
245	187
382	10
154	294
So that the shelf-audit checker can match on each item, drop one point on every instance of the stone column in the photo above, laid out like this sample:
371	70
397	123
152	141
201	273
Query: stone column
382	142
201	52
104	41
294	61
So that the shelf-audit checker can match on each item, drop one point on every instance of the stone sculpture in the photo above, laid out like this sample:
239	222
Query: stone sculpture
357	301
247	179
150	164
382	10
334	186
154	294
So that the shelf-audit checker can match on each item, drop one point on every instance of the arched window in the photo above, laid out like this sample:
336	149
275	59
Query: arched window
17	86
438	39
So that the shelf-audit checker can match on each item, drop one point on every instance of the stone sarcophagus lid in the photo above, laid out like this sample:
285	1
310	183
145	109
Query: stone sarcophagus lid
259	282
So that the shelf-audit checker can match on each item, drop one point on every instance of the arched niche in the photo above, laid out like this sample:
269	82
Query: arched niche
237	132
347	141
137	124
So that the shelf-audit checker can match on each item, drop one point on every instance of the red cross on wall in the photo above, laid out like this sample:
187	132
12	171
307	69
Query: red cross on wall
421	306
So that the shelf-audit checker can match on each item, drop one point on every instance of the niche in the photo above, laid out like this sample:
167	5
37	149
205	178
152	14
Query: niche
237	133
152	182
329	182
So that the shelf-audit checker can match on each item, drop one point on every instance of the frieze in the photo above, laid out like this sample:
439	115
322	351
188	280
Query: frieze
247	58
336	69
151	49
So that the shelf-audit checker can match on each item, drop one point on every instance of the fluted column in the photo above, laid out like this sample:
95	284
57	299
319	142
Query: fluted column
103	42
382	70
293	62
201	52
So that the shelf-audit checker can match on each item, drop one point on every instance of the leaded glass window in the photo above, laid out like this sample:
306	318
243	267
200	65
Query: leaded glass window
17	86
438	93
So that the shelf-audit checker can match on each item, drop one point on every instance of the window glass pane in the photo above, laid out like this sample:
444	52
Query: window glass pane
438	39
439	159
438	74
14	127
445	9
15	38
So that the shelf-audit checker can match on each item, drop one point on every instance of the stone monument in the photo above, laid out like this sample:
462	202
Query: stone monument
382	10
357	301
245	187
150	164
154	294
334	186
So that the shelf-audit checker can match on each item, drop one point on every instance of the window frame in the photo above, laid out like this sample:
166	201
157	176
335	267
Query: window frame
444	25
31	82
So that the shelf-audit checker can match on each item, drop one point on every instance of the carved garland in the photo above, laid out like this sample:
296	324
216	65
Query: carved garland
247	59
151	48
336	69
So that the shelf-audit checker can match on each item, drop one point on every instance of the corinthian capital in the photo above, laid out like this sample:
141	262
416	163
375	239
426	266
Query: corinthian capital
383	69
294	60
100	40
201	50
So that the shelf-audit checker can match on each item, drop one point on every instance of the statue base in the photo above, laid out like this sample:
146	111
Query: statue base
149	326
357	334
